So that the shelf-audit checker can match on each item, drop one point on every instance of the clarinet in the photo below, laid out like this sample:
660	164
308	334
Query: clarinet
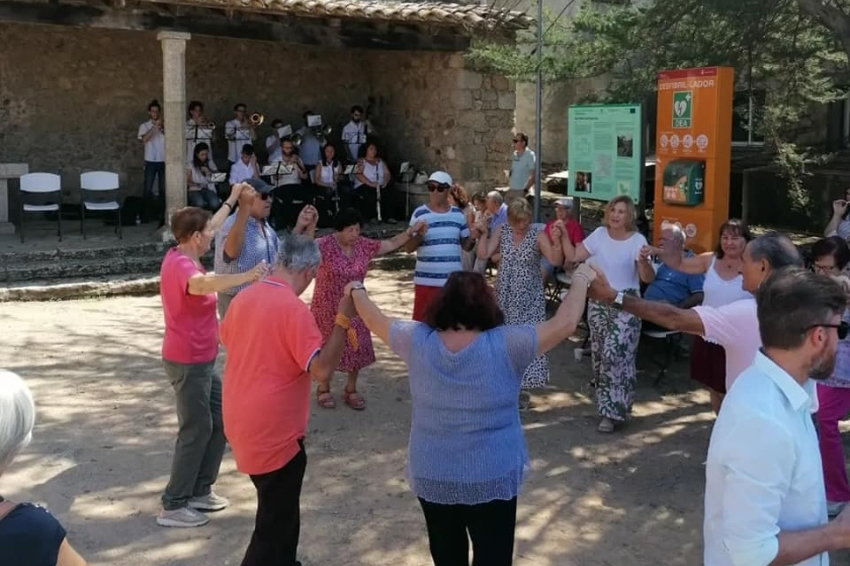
378	188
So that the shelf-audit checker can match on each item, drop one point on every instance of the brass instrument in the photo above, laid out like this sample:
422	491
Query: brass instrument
209	126
322	133
296	139
257	118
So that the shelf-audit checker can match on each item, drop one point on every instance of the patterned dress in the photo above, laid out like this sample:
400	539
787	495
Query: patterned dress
335	272
519	289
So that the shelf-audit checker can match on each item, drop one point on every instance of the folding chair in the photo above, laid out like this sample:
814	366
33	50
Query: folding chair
671	347
41	192
99	193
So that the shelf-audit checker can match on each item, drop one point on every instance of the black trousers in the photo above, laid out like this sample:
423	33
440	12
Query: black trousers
367	202
278	524
490	526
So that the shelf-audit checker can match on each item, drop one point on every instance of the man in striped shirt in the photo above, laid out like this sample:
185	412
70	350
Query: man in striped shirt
438	249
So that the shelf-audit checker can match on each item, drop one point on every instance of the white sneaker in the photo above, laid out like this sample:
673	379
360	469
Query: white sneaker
209	502
183	517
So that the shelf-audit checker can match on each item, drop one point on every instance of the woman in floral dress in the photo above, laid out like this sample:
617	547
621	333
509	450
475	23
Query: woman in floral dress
519	283
345	258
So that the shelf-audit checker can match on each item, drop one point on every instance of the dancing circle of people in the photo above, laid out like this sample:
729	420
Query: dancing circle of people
767	331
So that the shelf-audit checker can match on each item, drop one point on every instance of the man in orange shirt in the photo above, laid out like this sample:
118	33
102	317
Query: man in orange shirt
266	397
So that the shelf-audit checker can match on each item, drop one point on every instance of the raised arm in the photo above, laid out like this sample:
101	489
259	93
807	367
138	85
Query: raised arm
238	193
839	208
206	283
566	319
574	254
397	241
375	320
324	364
694	265
553	249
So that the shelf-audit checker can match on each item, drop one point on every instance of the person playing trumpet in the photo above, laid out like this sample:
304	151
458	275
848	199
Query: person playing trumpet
152	136
239	131
199	129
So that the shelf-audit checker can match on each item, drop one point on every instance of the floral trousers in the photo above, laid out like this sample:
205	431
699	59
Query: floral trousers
614	337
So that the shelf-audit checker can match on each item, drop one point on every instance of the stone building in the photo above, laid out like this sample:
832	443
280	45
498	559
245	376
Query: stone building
76	77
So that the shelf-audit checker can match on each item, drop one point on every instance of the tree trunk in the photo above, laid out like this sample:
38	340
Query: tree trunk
833	18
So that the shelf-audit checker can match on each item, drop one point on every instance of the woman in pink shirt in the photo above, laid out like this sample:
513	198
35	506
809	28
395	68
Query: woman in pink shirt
189	350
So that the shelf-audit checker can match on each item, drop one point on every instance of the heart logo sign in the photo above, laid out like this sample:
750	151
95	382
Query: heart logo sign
680	107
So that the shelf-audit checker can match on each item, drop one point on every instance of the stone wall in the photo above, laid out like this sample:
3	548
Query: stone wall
72	99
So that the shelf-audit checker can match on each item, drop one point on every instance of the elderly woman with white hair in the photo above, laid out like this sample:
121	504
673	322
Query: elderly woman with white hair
266	400
29	534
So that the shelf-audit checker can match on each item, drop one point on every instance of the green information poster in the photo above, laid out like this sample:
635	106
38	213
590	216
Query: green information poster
605	157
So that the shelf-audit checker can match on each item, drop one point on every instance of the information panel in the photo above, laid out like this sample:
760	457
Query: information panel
605	153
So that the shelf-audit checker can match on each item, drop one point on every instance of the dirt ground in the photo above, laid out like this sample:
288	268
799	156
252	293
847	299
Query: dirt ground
106	426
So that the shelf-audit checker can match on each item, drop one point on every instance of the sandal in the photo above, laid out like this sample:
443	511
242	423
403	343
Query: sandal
354	400
325	399
606	425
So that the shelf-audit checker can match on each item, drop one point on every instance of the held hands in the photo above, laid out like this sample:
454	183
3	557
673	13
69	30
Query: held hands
419	229
646	252
586	273
839	207
308	216
600	289
260	271
556	232
346	304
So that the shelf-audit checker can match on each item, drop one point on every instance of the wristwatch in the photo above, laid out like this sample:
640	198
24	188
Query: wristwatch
358	285
618	300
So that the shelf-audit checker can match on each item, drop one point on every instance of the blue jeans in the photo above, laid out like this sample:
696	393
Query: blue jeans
204	198
153	205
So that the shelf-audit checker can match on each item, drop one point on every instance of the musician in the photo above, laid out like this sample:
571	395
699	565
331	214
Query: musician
370	176
152	136
202	191
273	142
327	177
354	134
238	131
310	149
197	131
246	168
290	197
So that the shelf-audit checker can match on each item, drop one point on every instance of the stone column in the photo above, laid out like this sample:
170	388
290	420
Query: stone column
174	109
8	171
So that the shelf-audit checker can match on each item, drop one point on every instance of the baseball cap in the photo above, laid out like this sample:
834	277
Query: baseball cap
566	202
260	186
441	178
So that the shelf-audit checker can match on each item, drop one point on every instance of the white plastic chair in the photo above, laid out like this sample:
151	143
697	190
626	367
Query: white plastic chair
99	193
40	193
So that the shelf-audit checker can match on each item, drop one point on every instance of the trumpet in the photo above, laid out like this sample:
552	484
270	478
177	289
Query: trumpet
257	118
209	126
322	132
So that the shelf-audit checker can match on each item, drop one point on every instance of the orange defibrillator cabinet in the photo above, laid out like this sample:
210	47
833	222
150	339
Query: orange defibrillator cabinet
693	149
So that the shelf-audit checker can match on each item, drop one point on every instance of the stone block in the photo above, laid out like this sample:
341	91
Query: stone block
507	100
489	95
499	82
462	99
469	79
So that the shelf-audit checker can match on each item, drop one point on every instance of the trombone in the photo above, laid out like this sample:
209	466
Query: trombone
257	119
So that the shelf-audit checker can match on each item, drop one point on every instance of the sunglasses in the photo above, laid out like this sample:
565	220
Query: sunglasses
842	328
435	187
265	196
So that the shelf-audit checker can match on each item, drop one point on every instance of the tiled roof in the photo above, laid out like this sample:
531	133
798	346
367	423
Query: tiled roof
469	16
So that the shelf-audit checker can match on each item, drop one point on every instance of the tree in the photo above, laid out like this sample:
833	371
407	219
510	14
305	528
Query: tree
772	44
834	16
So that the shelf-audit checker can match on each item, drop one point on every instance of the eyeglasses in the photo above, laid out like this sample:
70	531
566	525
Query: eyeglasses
824	269
265	196
516	141
437	187
843	328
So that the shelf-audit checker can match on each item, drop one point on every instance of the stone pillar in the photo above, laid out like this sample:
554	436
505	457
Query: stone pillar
8	171
174	109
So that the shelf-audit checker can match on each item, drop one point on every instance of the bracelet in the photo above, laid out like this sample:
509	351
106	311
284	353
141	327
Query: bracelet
345	323
228	205
582	276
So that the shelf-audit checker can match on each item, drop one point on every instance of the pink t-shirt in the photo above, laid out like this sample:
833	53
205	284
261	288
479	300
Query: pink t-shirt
191	326
735	327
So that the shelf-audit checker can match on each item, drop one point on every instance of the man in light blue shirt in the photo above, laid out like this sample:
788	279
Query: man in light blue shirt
764	499
522	168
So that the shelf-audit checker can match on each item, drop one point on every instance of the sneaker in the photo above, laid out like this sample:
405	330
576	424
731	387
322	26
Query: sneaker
209	502
183	517
834	508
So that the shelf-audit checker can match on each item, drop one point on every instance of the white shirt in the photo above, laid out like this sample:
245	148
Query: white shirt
353	136
237	136
328	173
718	291
616	258
372	171
155	146
735	327
240	172
273	147
291	178
763	472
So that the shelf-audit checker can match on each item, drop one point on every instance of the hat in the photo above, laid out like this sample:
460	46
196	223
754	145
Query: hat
441	178
260	186
566	202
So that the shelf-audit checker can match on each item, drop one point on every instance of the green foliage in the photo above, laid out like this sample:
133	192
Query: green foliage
772	44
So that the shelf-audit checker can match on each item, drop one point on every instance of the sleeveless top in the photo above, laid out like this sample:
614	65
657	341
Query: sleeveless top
327	173
718	291
373	172
30	536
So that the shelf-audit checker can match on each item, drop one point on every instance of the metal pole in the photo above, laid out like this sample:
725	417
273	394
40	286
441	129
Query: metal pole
538	111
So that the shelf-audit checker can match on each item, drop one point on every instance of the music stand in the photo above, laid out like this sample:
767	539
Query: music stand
404	168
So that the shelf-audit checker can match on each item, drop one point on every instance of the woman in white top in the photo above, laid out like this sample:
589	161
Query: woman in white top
326	177
839	224
202	191
197	130
370	176
614	248
722	286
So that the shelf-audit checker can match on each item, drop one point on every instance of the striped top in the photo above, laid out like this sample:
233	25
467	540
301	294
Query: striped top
438	255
